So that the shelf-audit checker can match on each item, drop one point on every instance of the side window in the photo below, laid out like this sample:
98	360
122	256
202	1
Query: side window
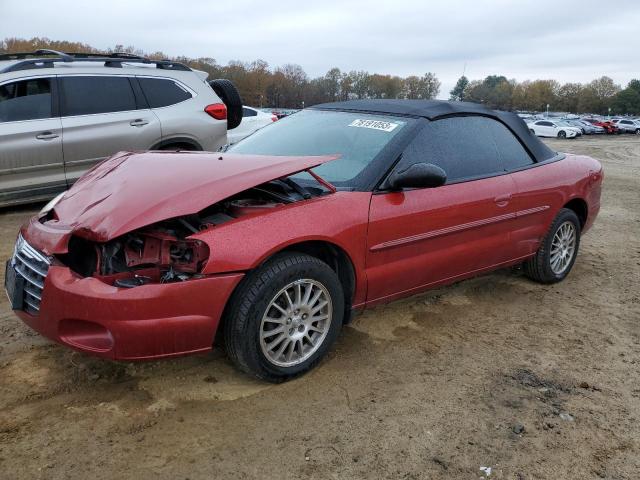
25	100
161	92
511	152
84	95
462	146
247	112
545	124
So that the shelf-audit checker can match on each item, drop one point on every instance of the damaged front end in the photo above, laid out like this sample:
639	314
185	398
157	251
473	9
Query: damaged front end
166	252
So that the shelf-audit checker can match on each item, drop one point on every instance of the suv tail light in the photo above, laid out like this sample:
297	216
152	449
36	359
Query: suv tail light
217	111
274	118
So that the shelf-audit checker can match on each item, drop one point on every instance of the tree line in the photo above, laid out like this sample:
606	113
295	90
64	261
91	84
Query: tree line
288	86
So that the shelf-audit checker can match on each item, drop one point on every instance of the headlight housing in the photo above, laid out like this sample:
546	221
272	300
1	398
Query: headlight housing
50	206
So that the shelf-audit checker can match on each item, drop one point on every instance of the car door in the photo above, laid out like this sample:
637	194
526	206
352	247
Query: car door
421	237
31	163
102	115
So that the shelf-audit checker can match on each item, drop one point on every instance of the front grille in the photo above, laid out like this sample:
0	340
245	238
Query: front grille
33	266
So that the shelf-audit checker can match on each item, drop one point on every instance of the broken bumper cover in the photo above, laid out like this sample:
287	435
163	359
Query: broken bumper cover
146	322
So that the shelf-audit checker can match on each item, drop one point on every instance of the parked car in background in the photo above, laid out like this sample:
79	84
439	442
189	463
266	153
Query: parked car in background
59	121
627	125
337	208
609	127
585	127
556	128
252	120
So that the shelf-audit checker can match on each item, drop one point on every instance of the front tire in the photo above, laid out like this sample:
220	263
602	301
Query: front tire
558	250
562	134
284	317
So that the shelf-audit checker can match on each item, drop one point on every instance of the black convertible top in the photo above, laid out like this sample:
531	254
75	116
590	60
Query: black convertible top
435	109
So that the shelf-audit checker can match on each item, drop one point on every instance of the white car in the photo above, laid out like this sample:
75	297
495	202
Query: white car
252	120
548	128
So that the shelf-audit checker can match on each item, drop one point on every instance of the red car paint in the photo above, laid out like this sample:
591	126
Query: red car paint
399	243
609	127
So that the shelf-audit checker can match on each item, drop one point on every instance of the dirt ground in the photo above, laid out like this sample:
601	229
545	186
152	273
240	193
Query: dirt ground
531	381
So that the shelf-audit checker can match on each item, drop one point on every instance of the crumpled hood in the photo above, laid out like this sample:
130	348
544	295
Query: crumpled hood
132	190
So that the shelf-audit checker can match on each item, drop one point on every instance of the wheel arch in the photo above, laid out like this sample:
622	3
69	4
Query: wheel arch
167	142
333	255
580	208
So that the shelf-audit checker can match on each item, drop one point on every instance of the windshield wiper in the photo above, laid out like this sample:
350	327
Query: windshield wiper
299	189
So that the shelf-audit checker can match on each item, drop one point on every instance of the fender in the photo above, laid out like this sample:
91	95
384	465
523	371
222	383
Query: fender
184	140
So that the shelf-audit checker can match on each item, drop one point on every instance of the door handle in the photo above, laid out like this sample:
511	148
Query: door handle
502	200
138	122
47	136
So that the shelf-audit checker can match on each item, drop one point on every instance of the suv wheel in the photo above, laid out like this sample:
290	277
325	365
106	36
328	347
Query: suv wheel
284	317
230	96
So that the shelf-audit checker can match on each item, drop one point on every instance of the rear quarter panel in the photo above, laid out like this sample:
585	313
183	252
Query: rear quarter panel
547	188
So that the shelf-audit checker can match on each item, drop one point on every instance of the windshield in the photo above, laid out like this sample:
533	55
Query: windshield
356	137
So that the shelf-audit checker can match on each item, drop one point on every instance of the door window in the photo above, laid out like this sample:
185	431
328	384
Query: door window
161	92
511	152
462	146
85	95
247	112
25	100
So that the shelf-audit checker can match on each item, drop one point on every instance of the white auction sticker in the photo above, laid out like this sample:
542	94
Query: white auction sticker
375	124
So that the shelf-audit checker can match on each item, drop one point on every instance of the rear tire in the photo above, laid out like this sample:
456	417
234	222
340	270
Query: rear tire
558	251
272	299
230	96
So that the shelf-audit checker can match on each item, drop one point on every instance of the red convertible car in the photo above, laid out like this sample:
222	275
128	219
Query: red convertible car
273	244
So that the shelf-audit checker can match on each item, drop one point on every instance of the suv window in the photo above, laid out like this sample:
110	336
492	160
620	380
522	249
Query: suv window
161	92
462	146
626	122
247	112
25	100
84	95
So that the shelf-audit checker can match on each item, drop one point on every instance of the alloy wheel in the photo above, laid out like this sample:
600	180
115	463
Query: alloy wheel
296	323
563	247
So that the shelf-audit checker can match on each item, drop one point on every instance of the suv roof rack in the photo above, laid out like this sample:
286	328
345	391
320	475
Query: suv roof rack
46	58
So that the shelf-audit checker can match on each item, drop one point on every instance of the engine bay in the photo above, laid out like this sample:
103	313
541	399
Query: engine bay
163	252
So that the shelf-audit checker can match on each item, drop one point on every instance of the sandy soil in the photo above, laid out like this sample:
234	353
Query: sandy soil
530	381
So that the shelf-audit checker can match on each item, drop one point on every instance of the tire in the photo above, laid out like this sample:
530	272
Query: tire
250	316
533	132
562	134
540	267
230	96
637	131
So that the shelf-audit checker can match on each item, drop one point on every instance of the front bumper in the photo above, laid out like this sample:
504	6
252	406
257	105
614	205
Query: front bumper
145	322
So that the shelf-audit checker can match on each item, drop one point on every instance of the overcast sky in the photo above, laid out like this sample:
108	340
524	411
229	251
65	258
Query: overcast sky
566	40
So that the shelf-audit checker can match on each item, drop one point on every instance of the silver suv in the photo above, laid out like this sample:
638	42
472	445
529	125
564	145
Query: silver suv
627	125
62	113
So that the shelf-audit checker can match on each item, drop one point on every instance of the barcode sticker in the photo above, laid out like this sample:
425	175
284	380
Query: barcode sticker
374	124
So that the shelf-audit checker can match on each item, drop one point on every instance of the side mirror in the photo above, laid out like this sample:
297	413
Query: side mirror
418	175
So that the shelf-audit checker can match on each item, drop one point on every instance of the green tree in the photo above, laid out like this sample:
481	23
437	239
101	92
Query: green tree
457	94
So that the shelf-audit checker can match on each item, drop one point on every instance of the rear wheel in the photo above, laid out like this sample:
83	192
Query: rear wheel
558	251
532	131
637	131
230	96
284	317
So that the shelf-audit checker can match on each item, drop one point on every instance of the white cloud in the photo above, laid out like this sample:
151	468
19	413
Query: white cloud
567	41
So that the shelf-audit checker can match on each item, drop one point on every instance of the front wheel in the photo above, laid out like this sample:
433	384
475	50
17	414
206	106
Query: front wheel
562	134
558	250
637	131
284	317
